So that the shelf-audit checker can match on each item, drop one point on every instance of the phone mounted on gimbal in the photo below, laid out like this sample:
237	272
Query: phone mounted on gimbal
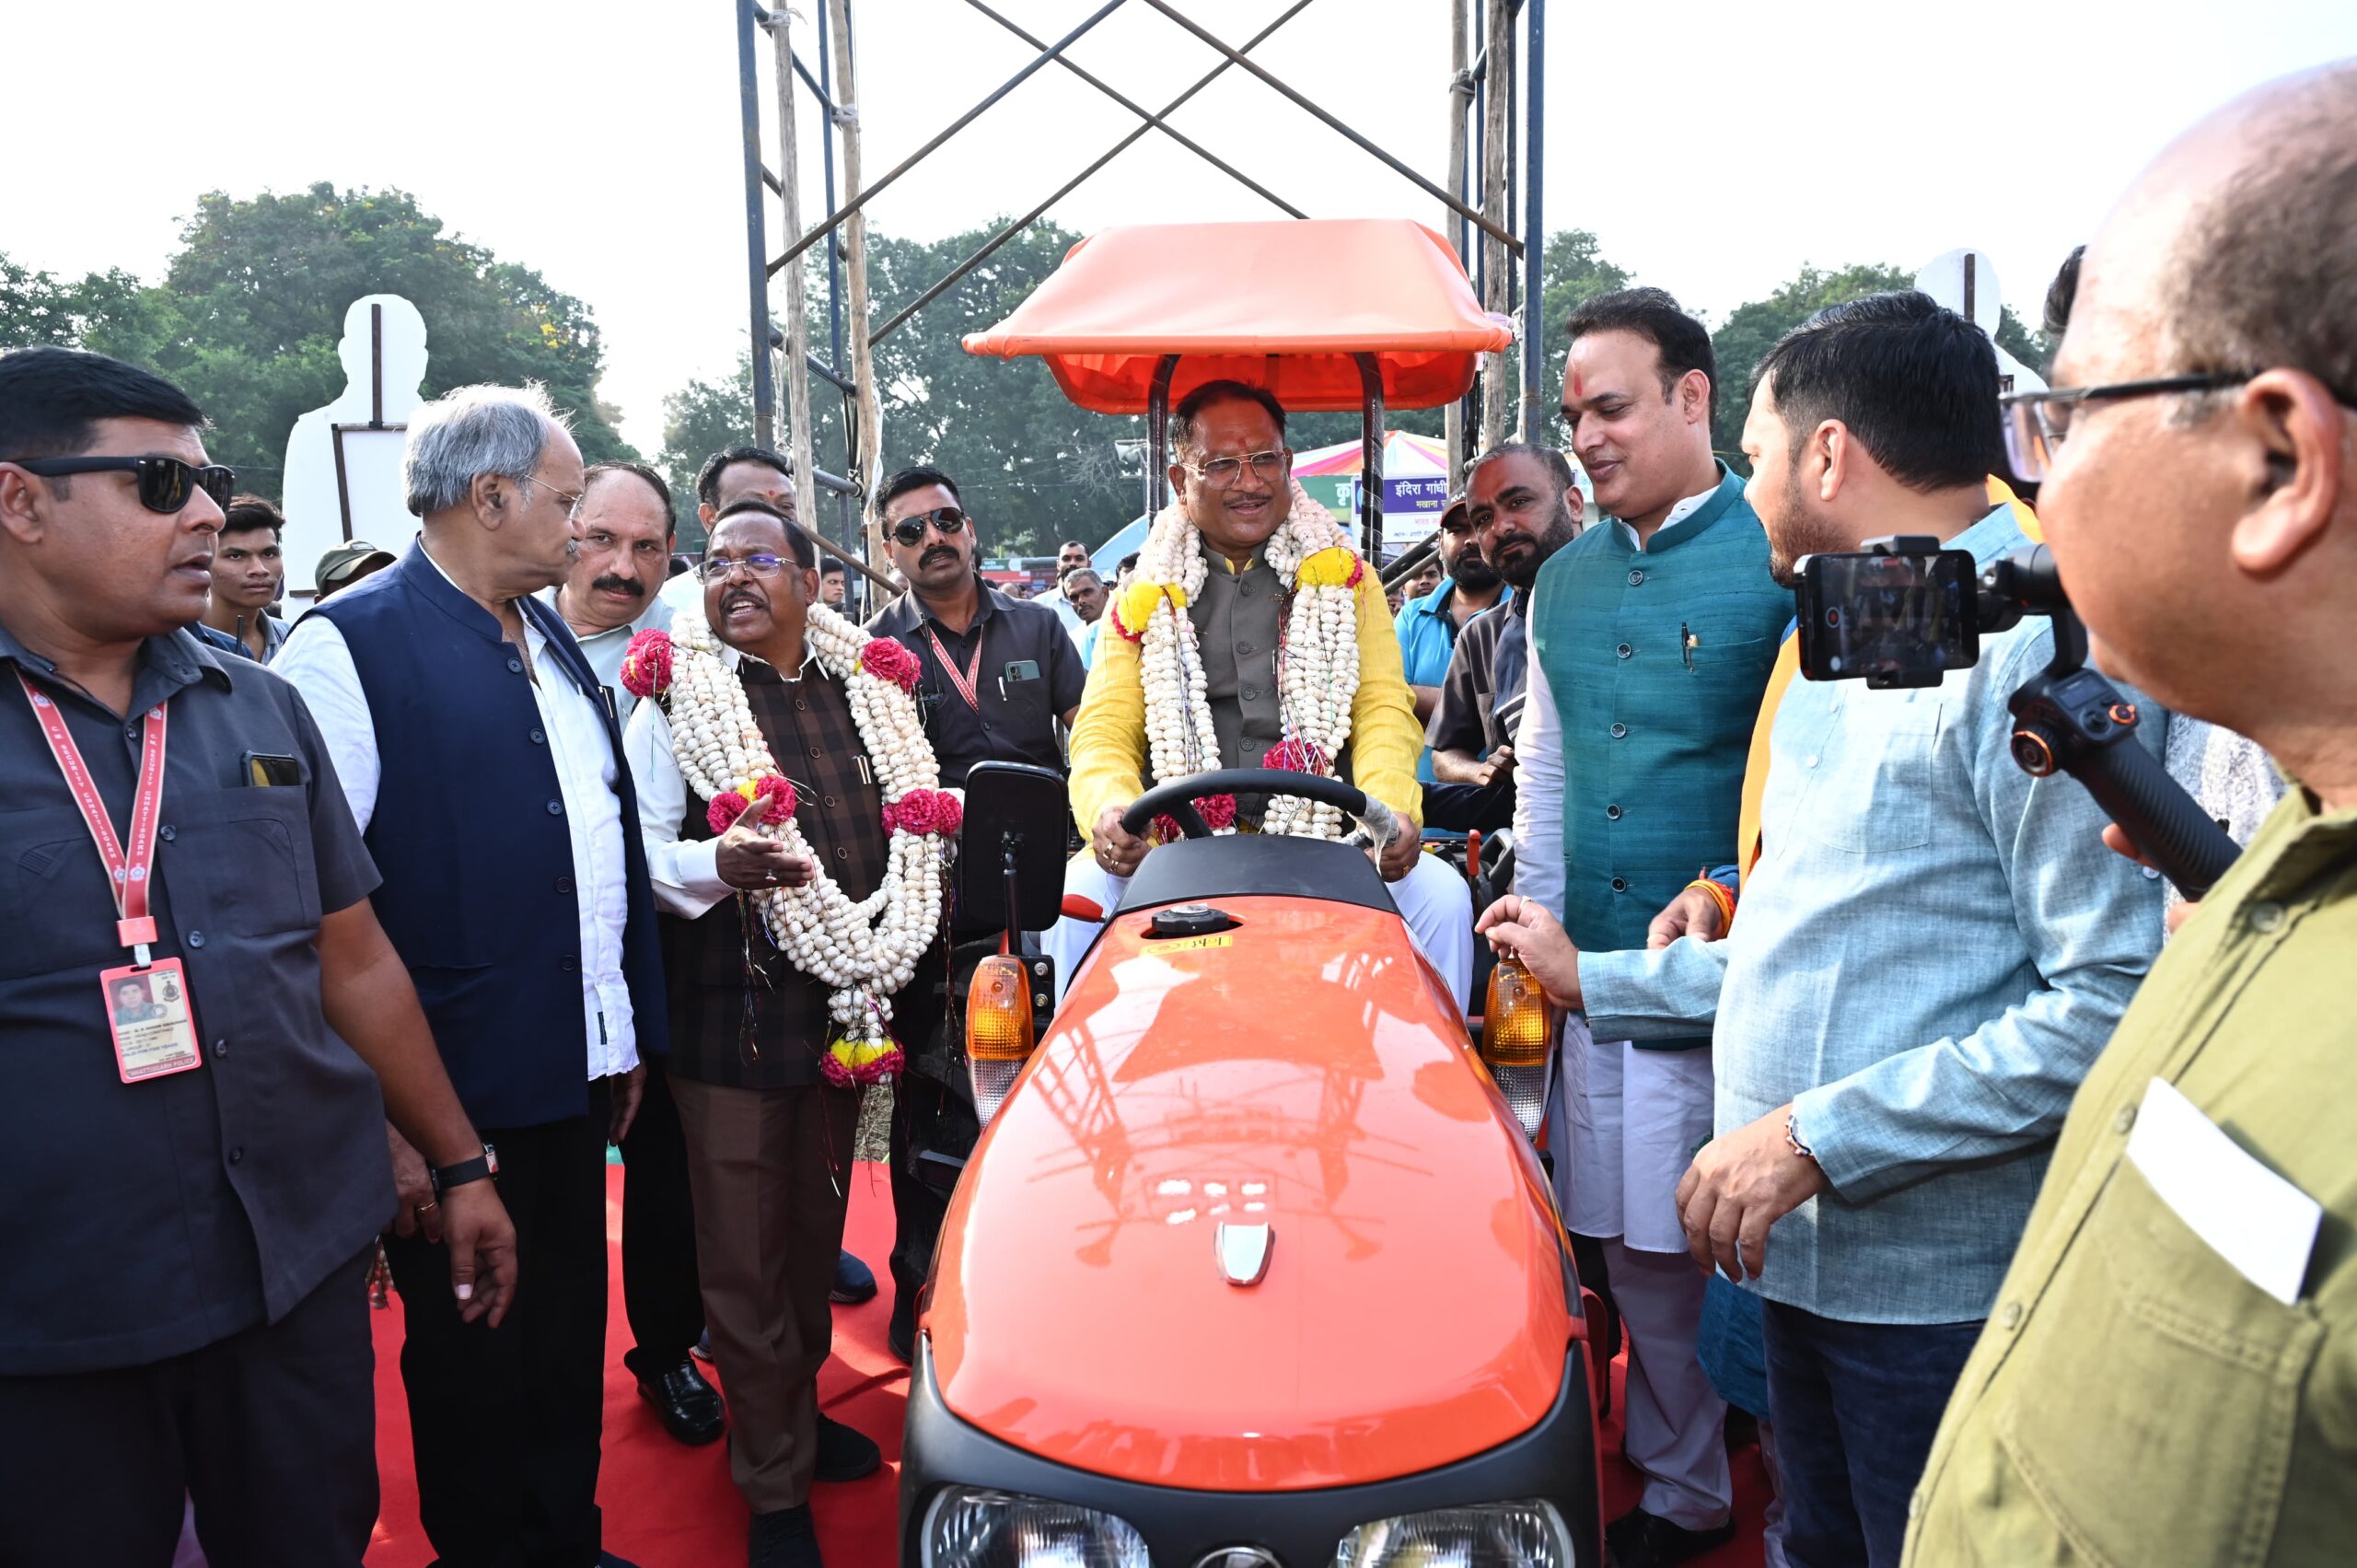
1906	611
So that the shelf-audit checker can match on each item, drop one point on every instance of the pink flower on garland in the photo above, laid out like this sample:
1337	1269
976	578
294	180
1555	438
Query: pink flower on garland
888	660
1218	812
925	811
891	820
777	797
1295	756
726	807
647	663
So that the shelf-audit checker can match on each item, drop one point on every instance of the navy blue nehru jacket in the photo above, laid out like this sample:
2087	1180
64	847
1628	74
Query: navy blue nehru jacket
478	896
141	1221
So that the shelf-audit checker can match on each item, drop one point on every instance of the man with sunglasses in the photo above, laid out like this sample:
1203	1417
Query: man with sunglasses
486	767
191	1200
2168	1374
999	675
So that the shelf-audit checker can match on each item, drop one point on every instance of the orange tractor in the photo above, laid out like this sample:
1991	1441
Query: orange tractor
1255	1265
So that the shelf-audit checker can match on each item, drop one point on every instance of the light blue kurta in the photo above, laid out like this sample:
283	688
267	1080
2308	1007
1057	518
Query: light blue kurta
1929	955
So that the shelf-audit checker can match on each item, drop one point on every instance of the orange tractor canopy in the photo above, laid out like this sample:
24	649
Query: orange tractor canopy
1326	313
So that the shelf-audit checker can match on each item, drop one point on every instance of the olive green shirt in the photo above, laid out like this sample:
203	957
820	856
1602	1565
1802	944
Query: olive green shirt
2134	1399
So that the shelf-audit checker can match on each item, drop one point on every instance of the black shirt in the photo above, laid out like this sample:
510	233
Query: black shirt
1015	719
1481	698
140	1221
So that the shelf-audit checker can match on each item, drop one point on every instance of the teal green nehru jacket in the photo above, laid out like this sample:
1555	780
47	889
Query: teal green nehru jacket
1657	660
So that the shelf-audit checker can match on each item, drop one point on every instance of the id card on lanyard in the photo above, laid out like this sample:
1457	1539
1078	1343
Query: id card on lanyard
145	1003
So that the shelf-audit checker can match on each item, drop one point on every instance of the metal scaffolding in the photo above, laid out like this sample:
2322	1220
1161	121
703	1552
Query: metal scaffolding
1491	206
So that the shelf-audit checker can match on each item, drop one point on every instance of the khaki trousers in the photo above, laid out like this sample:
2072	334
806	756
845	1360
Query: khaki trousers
768	1171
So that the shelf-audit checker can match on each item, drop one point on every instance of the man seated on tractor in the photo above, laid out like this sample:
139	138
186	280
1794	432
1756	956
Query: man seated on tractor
1251	636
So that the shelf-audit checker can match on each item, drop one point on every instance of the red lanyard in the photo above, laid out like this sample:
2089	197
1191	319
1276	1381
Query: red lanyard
964	680
136	928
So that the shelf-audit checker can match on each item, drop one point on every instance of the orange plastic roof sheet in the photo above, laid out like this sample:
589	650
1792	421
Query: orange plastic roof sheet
1282	305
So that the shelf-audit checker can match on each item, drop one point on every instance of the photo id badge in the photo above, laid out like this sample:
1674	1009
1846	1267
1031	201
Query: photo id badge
147	1010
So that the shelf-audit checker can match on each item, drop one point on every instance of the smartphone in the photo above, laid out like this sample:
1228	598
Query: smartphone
1020	670
1891	618
264	769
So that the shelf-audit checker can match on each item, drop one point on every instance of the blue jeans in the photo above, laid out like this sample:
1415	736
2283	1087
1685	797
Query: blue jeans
1855	1407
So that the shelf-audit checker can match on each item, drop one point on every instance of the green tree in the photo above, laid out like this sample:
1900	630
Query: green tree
1753	329
251	308
700	419
112	312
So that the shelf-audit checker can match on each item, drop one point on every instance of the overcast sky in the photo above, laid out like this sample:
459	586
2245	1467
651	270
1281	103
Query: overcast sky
1714	147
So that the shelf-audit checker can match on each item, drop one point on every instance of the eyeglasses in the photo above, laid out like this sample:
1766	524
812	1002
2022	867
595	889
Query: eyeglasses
711	568
571	498
164	484
1221	473
911	529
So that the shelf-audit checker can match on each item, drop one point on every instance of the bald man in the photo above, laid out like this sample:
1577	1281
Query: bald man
2169	1374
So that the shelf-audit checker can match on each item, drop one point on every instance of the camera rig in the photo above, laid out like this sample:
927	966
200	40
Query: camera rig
2069	719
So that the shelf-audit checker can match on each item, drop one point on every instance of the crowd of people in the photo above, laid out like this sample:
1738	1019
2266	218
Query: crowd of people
1887	1109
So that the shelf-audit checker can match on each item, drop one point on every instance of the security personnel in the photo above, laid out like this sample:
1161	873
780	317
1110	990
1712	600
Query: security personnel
1651	643
192	1195
999	675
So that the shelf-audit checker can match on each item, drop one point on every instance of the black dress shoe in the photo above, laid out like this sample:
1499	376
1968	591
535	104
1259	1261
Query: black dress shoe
843	1453
689	1407
783	1540
1639	1540
900	1334
855	1281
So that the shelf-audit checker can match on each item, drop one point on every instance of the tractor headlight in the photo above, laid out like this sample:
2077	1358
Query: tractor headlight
969	1528
1486	1535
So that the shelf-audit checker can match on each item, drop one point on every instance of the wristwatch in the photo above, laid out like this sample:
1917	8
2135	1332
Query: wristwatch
1793	1137
483	1167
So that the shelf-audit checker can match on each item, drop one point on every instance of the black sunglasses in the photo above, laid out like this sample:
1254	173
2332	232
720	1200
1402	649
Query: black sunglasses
164	484
911	529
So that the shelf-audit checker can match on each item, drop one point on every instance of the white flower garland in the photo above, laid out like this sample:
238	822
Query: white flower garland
1318	675
866	950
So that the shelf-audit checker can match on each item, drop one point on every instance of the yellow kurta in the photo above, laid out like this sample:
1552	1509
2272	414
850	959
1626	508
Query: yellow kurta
1108	746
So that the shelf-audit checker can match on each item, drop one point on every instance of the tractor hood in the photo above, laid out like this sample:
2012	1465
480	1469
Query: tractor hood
1303	1081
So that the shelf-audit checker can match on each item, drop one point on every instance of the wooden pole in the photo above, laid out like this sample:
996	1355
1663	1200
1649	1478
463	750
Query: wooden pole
797	319
868	470
1498	101
1460	104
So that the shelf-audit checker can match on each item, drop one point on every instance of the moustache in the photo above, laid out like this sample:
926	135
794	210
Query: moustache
938	553
613	584
741	596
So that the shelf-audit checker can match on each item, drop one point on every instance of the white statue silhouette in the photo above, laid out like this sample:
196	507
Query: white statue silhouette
343	461
1965	282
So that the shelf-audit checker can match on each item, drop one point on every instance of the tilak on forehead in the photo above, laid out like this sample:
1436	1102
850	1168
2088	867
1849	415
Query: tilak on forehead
1579	385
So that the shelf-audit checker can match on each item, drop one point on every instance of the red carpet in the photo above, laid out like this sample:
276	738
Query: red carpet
668	1506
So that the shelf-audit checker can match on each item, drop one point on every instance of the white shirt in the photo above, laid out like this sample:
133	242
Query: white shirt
604	650
685	872
318	661
1538	759
1054	599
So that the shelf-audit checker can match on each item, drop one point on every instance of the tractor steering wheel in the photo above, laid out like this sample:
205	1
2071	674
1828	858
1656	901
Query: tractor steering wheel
1176	798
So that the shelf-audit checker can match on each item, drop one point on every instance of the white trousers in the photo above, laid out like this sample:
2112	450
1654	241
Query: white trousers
1433	900
1627	1123
1624	1125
